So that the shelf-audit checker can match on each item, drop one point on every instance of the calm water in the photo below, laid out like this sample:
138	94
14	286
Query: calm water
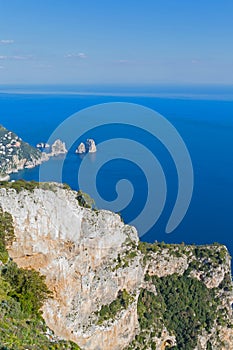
204	119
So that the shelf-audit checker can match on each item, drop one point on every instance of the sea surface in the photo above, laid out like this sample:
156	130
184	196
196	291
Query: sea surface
203	116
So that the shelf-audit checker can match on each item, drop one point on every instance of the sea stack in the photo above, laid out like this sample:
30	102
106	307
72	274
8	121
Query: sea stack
42	145
81	149
91	146
58	147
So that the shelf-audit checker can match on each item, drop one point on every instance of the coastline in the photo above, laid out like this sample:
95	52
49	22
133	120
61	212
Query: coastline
57	149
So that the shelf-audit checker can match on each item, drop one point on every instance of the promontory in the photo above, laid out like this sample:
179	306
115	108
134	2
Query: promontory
98	287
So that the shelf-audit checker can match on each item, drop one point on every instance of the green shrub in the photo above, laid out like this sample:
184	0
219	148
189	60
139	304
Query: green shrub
27	287
85	200
108	312
6	234
183	304
21	184
22	293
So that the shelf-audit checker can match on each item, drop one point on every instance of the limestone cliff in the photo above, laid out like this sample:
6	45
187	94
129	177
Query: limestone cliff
103	278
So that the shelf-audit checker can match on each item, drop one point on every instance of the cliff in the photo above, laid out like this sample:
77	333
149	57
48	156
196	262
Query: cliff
111	291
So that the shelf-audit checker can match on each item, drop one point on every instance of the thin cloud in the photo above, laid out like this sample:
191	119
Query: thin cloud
81	55
17	57
2	67
20	58
6	41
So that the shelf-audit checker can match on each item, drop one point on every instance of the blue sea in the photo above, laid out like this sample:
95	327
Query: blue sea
203	116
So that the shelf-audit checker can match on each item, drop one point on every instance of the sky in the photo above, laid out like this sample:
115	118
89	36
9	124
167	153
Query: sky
116	42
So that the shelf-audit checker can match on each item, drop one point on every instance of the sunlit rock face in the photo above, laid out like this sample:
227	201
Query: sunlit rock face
81	148
91	146
76	249
57	148
88	257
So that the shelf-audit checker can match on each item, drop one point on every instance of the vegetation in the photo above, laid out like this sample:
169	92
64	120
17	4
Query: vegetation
189	307
85	200
22	293
28	152
27	287
21	185
214	256
183	304
6	234
108	312
205	256
124	261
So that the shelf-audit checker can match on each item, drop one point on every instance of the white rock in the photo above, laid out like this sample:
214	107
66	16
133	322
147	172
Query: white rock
58	147
81	149
75	248
91	146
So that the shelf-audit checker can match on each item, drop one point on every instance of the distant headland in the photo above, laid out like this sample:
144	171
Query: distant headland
15	154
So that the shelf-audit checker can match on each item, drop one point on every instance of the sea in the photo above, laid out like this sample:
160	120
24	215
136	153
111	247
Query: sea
203	117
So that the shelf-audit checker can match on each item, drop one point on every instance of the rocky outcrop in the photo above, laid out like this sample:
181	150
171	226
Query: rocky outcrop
57	148
81	149
163	265
75	249
42	145
90	256
4	178
90	147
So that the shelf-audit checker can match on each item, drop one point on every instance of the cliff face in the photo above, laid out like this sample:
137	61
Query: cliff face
100	275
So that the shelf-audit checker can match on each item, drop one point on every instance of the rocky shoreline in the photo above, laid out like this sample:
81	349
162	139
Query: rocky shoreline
16	155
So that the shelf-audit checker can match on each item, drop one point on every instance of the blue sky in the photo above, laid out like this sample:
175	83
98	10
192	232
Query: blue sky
122	42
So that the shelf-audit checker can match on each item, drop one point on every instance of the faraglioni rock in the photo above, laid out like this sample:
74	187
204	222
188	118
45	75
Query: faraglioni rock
57	148
109	290
81	149
90	147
